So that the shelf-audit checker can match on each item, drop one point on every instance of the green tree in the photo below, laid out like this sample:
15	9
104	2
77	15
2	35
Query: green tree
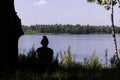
109	5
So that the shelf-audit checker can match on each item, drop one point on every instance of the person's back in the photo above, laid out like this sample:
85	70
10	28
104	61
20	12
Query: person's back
45	54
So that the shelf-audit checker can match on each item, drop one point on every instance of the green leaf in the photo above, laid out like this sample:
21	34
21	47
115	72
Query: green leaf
90	0
99	2
105	2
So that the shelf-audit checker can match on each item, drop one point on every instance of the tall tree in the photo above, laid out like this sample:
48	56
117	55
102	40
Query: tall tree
109	5
10	26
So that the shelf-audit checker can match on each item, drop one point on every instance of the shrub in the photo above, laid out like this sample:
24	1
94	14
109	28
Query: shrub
66	58
94	62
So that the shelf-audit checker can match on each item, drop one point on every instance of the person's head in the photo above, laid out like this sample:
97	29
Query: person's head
44	41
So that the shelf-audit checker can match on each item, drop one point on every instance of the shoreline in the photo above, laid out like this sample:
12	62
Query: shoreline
64	34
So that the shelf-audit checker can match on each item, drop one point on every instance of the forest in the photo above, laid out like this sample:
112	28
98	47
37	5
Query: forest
69	29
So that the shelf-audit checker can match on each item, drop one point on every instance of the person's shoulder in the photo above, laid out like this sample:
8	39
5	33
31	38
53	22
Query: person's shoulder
38	49
50	49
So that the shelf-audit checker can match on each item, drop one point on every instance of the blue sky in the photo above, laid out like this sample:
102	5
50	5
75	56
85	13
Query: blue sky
81	12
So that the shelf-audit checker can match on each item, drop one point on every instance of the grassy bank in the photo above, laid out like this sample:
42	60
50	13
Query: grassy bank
66	68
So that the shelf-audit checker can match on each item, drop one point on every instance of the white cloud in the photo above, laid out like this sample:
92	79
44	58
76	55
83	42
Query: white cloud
40	3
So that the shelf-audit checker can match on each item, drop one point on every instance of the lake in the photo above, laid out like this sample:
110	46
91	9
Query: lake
82	46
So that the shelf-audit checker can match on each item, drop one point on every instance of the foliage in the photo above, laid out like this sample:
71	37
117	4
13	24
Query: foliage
106	3
29	60
115	63
65	69
67	59
94	62
70	29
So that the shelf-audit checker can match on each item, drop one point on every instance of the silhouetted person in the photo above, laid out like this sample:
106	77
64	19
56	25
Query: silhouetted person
45	54
10	31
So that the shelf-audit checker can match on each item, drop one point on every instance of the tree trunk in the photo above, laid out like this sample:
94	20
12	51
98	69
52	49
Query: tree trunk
10	26
114	33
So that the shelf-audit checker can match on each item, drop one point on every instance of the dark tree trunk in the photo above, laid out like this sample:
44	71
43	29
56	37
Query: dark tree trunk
10	26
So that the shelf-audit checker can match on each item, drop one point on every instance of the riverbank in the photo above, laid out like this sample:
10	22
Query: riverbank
36	33
65	69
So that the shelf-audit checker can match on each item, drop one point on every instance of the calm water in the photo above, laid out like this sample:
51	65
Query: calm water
81	45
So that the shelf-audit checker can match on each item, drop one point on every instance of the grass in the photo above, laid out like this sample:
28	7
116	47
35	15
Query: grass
65	69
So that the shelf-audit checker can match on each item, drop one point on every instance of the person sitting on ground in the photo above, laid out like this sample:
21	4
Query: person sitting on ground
45	54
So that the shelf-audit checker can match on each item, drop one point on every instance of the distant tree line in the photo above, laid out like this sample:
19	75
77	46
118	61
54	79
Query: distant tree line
70	29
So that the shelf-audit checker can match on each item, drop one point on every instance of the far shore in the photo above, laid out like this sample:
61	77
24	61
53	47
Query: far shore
66	34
